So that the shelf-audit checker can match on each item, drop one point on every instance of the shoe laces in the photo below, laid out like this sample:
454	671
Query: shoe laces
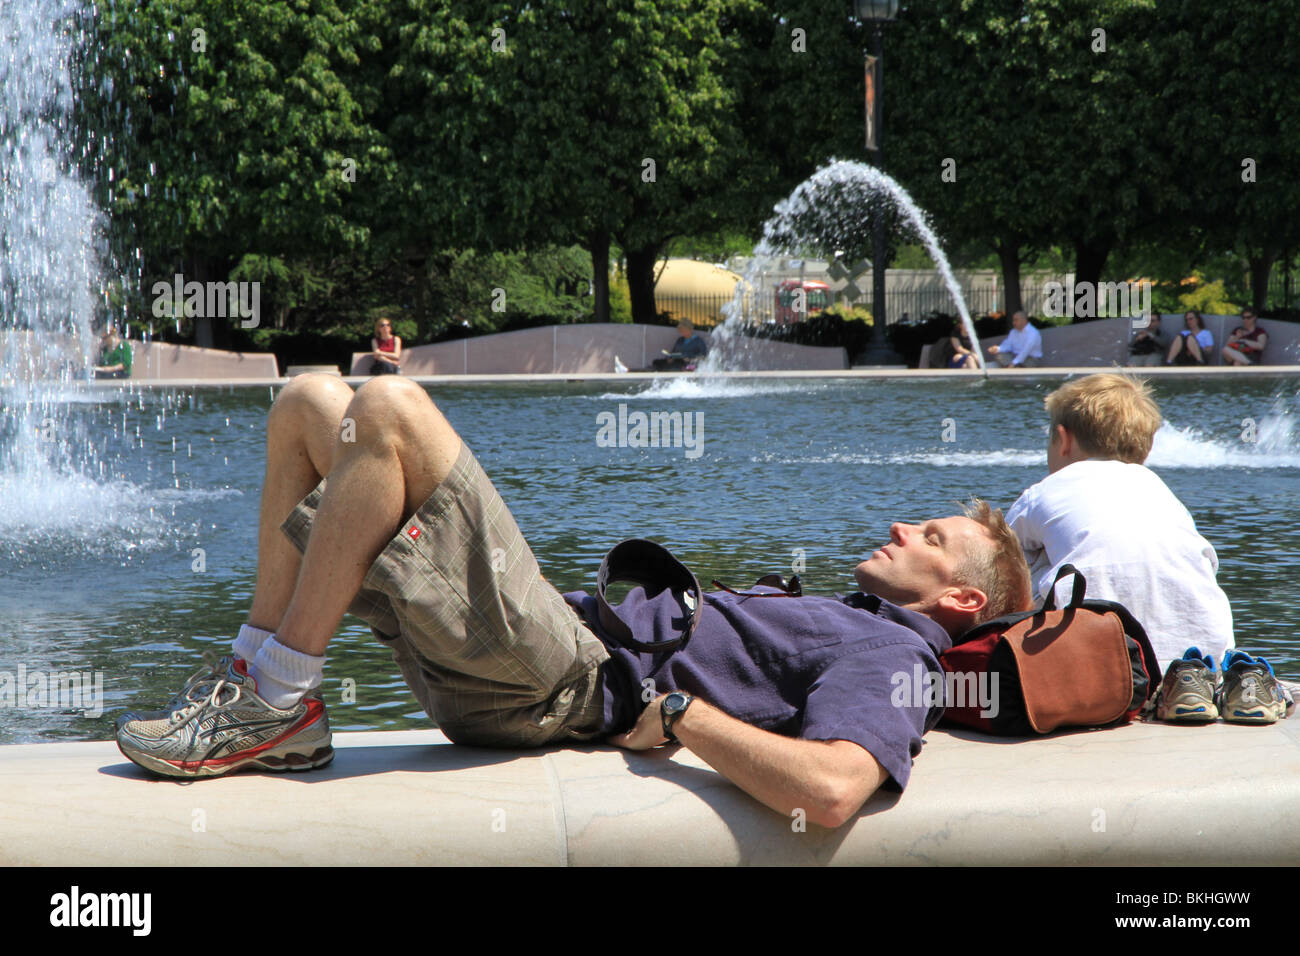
210	671
206	693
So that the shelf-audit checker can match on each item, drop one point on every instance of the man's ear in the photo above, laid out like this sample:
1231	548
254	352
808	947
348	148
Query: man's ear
963	600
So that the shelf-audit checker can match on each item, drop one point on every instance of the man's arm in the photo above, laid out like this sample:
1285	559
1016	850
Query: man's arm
829	780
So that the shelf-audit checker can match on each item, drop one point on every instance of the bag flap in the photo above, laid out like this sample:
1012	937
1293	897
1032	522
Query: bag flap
1074	668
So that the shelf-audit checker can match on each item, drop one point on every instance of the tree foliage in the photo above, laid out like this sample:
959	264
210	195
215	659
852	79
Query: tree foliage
408	151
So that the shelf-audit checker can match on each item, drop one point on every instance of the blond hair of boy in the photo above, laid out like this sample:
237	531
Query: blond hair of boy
1101	416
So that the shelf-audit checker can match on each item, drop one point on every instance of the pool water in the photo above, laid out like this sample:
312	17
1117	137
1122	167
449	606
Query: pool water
132	571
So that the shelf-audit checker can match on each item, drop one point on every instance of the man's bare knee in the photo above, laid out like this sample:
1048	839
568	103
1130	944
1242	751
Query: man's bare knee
308	410
395	415
391	409
315	392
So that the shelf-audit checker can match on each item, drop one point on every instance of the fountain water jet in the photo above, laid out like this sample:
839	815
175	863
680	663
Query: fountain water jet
52	268
825	211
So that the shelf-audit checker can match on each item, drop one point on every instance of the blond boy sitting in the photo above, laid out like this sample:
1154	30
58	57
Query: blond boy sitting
1102	510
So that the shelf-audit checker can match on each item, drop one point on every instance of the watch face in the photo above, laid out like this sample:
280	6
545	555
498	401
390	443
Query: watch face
674	702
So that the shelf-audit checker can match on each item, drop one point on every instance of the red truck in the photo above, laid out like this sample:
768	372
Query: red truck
788	310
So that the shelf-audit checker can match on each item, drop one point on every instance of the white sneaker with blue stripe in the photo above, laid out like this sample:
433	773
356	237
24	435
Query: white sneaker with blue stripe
1187	694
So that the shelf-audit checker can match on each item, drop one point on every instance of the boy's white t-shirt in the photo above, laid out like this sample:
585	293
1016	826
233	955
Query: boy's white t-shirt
1135	543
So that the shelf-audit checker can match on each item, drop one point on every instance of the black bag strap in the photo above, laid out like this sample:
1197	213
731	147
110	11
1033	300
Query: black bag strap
1133	628
1076	594
999	624
653	567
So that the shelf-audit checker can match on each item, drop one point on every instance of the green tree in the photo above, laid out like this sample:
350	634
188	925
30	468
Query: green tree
1020	125
639	123
1233	119
229	130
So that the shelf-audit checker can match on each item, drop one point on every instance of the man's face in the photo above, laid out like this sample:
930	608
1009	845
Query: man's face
918	562
685	331
1019	320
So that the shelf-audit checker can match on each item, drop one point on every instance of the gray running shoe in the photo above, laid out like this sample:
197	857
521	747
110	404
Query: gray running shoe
1188	690
211	671
223	726
1250	691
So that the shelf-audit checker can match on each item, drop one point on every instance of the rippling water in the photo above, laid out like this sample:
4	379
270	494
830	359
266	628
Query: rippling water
99	572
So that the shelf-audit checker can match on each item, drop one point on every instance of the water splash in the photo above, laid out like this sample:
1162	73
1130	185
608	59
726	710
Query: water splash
58	481
709	386
1003	458
1275	446
54	235
831	209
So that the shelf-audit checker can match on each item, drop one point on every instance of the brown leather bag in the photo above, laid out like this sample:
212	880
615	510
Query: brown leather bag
1089	664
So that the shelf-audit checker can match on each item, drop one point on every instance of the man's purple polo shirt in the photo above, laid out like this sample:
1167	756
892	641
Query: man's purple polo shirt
819	668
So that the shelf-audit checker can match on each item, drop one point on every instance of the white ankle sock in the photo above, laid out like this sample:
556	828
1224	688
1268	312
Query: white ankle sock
250	641
284	675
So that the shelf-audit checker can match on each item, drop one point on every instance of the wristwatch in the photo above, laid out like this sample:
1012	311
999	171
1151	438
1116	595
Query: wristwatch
673	707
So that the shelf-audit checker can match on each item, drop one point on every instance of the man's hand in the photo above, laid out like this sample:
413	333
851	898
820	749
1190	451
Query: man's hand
994	350
828	780
649	729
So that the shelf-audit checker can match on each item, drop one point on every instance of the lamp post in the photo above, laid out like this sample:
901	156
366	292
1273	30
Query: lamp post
877	13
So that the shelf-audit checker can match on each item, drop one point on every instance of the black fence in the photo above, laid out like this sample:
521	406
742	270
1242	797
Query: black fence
706	311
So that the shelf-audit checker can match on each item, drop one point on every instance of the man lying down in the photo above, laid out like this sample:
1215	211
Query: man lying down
788	697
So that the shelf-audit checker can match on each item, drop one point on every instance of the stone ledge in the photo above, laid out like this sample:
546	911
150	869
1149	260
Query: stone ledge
1138	795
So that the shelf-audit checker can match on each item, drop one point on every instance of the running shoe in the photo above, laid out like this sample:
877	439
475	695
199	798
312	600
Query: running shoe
1250	692
222	726
1188	690
211	671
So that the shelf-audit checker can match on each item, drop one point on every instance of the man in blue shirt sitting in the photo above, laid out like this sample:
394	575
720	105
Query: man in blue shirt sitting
688	349
1022	347
805	702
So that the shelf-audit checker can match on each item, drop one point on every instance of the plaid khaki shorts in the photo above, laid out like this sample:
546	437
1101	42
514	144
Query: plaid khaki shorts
489	648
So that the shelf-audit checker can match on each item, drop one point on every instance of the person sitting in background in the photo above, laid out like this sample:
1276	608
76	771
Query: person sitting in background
689	348
1246	343
1149	344
115	356
963	355
386	349
1192	344
1023	346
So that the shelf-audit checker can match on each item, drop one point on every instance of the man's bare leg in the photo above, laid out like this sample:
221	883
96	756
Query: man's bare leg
301	430
403	449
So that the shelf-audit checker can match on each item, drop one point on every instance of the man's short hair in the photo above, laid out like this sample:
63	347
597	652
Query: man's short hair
686	322
999	569
1109	415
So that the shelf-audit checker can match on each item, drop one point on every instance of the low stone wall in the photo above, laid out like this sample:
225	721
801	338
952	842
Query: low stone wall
584	349
1105	341
41	356
165	360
